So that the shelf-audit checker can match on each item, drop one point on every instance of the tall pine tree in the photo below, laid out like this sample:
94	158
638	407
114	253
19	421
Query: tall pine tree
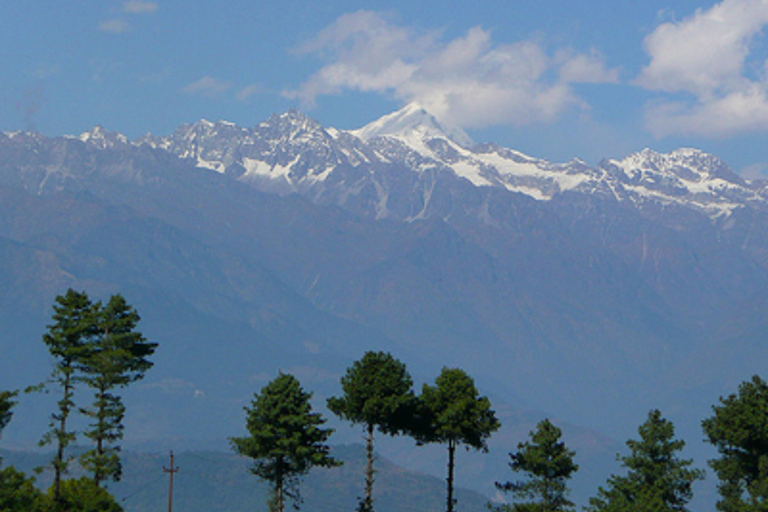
378	394
739	431
656	480
286	438
453	413
67	339
548	465
116	355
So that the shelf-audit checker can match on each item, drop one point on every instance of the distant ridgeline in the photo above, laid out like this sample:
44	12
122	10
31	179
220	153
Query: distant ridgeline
591	294
220	481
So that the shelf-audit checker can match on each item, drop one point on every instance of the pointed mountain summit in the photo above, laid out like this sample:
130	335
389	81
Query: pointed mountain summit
413	121
103	138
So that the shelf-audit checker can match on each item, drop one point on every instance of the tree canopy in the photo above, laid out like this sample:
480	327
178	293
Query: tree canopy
657	480
453	412
739	431
73	325
6	406
115	355
286	438
548	464
19	494
377	393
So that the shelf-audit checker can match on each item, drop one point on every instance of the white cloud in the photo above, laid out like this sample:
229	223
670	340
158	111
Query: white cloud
737	112
586	68
114	26
248	91
207	86
704	56
758	170
138	7
469	81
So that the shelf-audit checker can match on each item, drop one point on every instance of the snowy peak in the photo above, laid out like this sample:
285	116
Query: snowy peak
103	138
686	177
413	121
292	125
205	130
409	148
686	167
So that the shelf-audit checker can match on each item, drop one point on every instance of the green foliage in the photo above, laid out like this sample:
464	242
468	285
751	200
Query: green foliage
739	431
97	345
656	479
549	465
452	412
6	404
67	336
116	355
285	438
378	393
19	494
84	495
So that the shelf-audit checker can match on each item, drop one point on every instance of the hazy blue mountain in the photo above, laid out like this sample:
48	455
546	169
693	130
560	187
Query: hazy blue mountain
209	481
590	294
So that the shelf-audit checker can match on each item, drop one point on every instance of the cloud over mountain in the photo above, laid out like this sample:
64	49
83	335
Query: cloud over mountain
709	57
470	81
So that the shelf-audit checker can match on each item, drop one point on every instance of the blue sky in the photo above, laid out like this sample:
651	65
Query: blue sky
555	79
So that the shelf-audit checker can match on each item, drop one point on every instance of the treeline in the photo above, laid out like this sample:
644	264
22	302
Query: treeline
286	439
97	346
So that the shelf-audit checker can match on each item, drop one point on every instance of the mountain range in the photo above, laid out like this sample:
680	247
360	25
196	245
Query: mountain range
588	294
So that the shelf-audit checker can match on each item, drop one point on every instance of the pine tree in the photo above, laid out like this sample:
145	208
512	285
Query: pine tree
84	495
549	465
656	480
453	413
19	494
739	431
6	406
6	413
378	394
67	338
116	356
286	438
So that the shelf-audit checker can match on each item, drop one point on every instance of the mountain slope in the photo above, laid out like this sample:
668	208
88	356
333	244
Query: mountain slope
591	293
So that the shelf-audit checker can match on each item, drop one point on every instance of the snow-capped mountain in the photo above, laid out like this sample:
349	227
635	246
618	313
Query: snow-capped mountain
413	125
591	292
408	148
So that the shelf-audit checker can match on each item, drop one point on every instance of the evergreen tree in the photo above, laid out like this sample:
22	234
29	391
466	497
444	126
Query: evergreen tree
739	431
452	413
378	394
67	337
285	438
84	495
656	480
549	465
116	355
19	494
6	404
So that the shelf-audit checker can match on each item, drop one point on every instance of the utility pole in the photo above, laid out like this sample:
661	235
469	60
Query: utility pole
170	472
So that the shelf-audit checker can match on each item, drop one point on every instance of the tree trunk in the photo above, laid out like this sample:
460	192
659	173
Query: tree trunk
58	463
98	472
451	452
369	470
279	493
